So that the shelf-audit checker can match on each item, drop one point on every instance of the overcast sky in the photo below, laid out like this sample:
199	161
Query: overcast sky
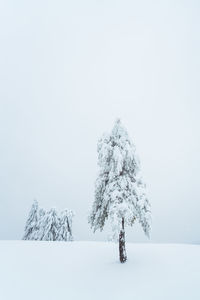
68	69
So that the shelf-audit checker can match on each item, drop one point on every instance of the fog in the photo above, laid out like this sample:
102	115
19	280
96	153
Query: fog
68	69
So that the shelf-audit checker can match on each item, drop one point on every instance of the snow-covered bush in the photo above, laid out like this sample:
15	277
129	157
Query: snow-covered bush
119	191
48	226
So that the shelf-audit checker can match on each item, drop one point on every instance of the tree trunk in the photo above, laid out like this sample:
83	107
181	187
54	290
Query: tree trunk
122	250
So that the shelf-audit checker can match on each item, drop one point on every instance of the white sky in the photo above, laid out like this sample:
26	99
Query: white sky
67	70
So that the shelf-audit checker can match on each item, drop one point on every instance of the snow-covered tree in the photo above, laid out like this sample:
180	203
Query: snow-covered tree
36	233
119	190
32	222
49	226
65	229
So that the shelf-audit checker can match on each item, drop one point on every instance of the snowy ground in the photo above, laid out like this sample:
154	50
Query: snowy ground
90	270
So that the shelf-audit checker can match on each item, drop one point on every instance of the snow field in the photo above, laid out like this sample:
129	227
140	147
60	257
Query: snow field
91	270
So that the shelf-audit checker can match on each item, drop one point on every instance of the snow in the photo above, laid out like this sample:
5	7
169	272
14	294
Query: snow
90	270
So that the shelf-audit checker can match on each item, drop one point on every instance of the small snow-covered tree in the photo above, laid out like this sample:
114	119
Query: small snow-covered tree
49	226
70	218
32	222
119	191
65	228
37	231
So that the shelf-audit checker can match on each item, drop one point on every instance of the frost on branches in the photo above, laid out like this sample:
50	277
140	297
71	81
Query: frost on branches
119	191
48	226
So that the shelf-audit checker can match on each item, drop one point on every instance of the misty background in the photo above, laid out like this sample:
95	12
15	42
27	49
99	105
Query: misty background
68	69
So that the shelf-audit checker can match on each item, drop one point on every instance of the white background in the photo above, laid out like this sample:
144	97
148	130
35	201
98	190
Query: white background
67	70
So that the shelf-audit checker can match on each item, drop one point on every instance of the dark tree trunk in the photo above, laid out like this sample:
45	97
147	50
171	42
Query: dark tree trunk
122	250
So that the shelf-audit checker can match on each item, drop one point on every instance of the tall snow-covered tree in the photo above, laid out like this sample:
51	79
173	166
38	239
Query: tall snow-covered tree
49	226
65	229
119	191
32	222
